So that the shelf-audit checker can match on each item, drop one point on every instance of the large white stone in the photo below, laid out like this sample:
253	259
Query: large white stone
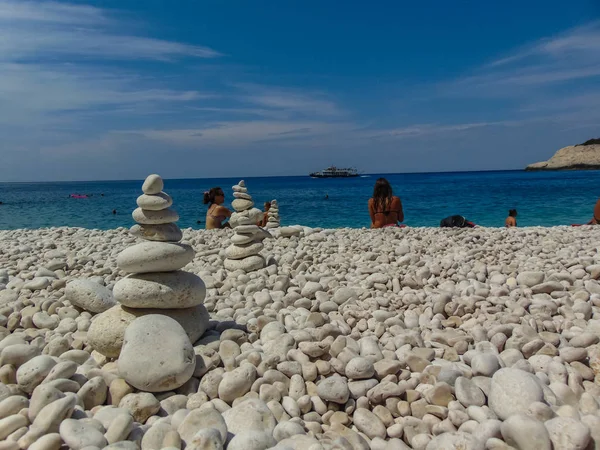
530	279
153	184
334	389
249	264
147	217
237	383
238	219
241	239
199	419
512	391
163	290
567	433
167	232
32	373
525	433
89	295
154	202
153	256
157	355
78	435
243	251
240	204
290	231
250	415
247	229
107	330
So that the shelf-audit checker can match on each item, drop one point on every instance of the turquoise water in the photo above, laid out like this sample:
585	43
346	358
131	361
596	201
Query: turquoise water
541	198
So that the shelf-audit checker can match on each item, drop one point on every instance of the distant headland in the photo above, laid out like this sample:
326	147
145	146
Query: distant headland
584	156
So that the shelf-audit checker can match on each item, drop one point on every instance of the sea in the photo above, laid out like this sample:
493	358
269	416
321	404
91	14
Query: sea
541	199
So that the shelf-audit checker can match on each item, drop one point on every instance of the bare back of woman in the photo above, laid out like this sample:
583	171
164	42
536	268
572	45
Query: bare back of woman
385	209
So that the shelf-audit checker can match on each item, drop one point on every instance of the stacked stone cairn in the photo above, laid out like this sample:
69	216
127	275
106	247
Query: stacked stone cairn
246	243
160	312
273	216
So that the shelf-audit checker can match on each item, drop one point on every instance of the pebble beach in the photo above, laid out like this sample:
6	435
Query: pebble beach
348	339
298	338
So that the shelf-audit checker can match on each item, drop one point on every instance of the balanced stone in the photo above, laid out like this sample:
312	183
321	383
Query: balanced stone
163	290
157	355
240	204
147	217
238	251
247	229
155	257
153	184
248	264
240	187
154	202
242	195
241	239
107	330
168	232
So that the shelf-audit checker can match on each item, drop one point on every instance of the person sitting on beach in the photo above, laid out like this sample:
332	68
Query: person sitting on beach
456	221
265	219
596	219
385	208
217	214
511	220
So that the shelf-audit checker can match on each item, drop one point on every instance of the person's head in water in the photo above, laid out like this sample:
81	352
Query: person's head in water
512	212
382	195
215	195
267	206
114	211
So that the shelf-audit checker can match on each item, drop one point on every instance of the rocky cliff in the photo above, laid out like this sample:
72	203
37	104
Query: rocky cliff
585	156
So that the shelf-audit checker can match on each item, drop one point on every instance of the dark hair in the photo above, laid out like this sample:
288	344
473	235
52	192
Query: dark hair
382	195
512	212
209	196
267	205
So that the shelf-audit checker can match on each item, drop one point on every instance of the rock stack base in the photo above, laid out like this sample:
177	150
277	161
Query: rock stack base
160	312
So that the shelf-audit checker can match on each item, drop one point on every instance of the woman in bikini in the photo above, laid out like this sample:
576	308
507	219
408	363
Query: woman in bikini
217	214
511	220
385	209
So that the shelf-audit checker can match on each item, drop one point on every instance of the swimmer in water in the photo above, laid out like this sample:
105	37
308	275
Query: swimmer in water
114	211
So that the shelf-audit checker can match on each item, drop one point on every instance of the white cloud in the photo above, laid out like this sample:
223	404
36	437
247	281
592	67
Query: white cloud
225	134
568	57
287	100
44	30
49	11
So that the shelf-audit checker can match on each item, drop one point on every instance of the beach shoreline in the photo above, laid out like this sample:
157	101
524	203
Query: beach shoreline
352	337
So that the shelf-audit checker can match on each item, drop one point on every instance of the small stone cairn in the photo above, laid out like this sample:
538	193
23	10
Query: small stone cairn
243	253
161	311
273	216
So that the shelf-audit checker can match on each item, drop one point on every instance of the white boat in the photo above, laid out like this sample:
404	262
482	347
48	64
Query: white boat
336	172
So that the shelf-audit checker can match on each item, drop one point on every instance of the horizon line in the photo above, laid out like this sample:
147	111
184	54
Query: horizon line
263	176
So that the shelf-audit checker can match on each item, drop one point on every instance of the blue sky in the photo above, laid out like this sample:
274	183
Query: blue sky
119	89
